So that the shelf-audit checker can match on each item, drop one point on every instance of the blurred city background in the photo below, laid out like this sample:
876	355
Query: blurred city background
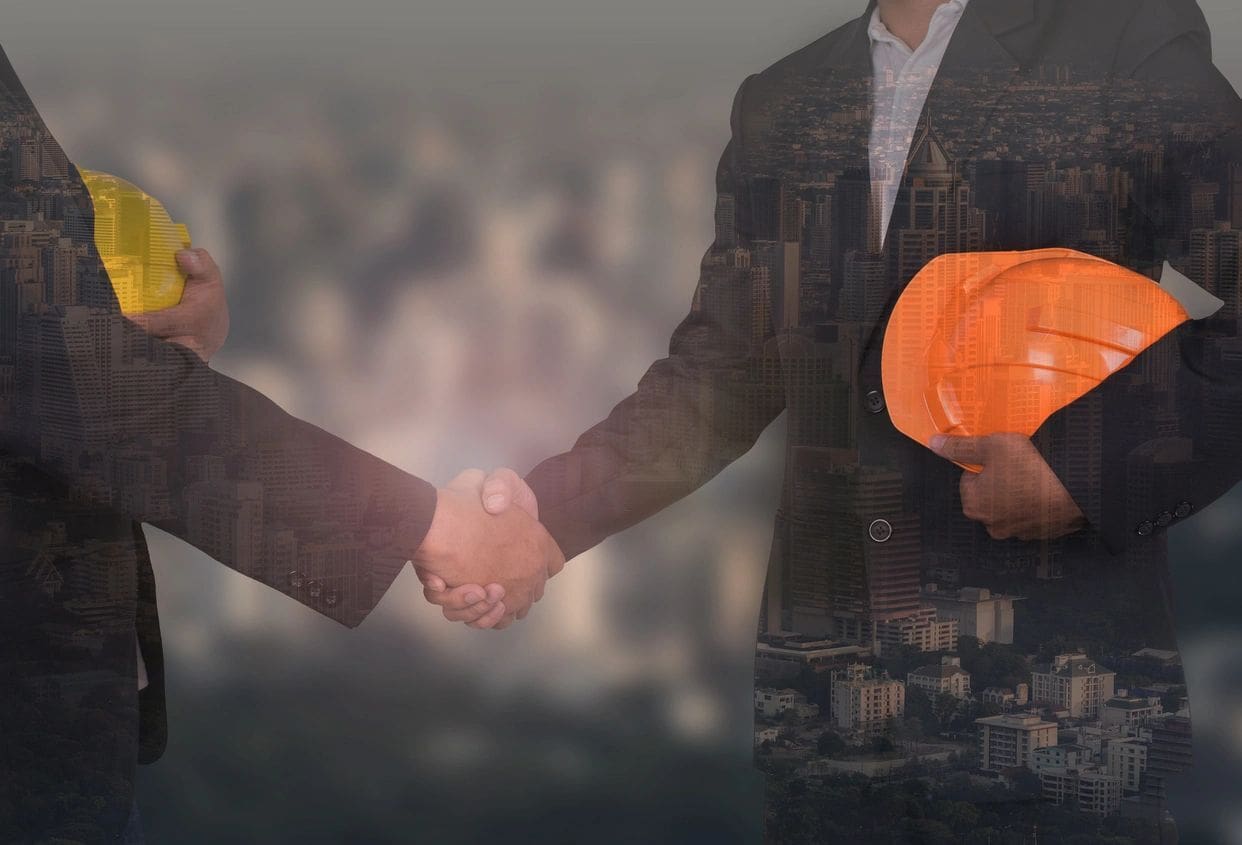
456	233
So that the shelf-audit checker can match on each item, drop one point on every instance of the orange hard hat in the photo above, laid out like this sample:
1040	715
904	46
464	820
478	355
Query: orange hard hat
989	342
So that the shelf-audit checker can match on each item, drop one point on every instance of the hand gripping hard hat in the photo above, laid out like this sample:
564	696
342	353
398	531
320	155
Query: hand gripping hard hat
992	342
137	242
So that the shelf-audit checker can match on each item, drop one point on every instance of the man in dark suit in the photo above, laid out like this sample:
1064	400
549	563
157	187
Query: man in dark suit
961	651
106	425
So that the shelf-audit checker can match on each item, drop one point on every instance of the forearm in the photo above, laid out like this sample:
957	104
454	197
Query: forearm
157	435
691	416
141	426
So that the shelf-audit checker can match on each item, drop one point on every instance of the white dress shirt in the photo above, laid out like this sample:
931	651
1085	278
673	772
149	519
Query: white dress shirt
902	79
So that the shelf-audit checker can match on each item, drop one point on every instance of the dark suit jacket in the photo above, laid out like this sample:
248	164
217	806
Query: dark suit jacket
103	428
1095	124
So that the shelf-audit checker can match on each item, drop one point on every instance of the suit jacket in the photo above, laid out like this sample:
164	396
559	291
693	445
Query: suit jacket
103	428
1099	125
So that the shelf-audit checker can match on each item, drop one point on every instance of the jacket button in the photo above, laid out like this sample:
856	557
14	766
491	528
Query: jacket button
874	401
1145	528
295	580
880	530
314	588
331	598
1165	519
1183	510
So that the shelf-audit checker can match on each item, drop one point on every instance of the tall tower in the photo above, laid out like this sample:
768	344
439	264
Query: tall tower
1216	264
935	213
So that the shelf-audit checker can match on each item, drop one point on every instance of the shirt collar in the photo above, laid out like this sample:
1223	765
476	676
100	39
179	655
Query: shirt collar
878	33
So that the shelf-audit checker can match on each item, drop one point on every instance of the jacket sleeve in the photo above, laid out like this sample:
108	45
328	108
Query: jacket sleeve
694	411
127	422
1169	419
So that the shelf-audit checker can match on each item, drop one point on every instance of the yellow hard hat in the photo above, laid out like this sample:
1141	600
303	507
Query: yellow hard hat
989	342
137	242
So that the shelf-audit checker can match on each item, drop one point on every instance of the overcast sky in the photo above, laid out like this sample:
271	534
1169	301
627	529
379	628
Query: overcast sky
723	33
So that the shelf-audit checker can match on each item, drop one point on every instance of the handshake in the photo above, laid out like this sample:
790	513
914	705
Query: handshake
486	531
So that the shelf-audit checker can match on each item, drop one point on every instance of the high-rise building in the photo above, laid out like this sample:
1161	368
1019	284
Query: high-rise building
1089	789
867	286
861	582
1010	740
1234	188
726	221
1129	712
228	516
1216	264
1127	761
935	211
1169	753
865	701
946	677
980	613
1074	683
921	629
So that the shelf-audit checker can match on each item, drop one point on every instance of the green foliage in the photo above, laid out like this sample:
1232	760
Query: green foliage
830	744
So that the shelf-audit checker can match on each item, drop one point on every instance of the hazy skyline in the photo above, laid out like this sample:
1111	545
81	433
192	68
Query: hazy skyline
197	101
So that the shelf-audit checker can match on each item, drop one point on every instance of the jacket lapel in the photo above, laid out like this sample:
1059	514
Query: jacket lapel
974	75
976	72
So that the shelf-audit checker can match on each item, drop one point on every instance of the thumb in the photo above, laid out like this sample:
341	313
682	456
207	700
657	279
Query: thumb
198	265
966	450
503	489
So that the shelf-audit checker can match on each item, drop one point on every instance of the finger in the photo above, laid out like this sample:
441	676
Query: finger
477	611
495	593
500	490
490	619
468	614
430	581
167	322
461	598
521	614
198	265
969	490
504	488
503	623
965	450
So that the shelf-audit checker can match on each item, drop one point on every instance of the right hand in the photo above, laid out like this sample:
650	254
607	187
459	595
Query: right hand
200	321
503	489
466	545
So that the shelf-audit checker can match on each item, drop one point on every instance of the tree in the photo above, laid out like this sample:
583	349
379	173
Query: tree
931	832
830	744
910	732
1026	784
919	706
945	706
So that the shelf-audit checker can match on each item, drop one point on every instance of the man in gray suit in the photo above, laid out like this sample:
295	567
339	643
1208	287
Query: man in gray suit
109	422
932	704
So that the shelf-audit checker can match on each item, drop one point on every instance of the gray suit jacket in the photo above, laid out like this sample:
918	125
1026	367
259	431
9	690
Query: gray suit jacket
1095	124
104	428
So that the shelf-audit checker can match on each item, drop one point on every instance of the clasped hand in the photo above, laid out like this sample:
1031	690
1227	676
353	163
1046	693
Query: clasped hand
504	547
